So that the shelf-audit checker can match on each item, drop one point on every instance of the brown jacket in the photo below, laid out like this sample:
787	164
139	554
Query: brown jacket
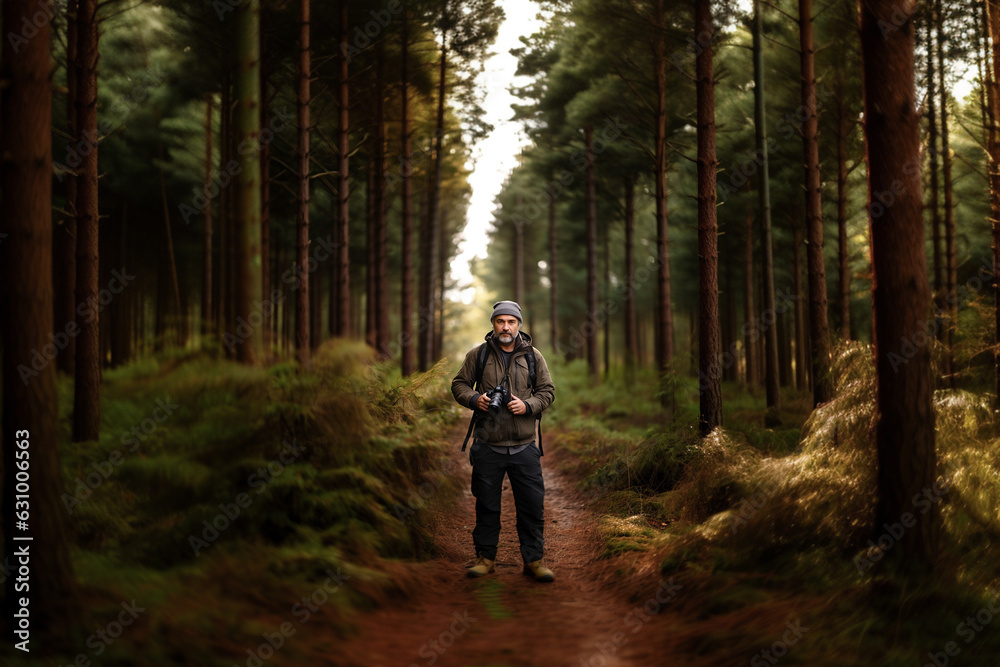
506	429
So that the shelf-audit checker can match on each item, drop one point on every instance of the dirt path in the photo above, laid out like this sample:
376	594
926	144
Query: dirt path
586	617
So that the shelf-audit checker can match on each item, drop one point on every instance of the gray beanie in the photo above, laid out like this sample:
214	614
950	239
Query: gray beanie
506	308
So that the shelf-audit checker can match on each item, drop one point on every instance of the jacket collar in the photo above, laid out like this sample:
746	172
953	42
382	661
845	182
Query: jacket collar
522	342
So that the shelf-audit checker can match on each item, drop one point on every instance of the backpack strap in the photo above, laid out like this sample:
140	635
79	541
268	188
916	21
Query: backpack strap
532	377
482	354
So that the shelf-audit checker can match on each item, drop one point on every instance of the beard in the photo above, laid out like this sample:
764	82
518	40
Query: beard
506	338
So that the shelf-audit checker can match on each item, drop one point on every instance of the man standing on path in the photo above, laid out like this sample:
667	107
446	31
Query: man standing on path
507	400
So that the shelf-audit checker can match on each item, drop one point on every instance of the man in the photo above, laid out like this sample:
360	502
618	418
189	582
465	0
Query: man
505	439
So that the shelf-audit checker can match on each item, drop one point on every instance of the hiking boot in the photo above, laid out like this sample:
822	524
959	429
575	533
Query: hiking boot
538	571
481	567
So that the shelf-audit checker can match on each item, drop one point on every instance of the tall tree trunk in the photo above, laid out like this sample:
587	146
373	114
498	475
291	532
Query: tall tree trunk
709	372
302	329
664	314
225	292
408	362
631	343
432	228
933	152
951	277
729	369
993	77
267	308
764	211
344	214
553	274
206	266
371	254
444	237
381	223
818	327
87	386
248	285
179	335
905	430
591	215
801	335
64	248
751	333
30	401
843	252
518	254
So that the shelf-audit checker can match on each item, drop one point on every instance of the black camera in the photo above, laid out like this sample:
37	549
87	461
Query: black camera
499	398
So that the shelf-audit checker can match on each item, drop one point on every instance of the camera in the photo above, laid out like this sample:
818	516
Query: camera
499	398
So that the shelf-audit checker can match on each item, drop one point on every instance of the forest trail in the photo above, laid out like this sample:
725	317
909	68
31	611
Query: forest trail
585	617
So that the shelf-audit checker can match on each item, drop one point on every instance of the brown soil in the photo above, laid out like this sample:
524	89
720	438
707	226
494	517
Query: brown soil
589	616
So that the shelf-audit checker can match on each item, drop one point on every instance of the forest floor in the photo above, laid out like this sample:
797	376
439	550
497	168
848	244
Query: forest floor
587	616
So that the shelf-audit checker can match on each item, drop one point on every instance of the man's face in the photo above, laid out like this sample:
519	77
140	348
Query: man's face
505	328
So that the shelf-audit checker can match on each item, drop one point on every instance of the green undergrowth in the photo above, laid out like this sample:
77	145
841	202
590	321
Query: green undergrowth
219	494
769	526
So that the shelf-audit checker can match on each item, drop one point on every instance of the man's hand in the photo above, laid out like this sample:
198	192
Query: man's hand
517	406
484	402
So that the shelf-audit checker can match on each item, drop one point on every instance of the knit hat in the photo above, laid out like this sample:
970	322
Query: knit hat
506	308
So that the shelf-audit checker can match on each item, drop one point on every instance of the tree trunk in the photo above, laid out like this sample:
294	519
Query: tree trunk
302	328
225	292
431	258
179	336
843	252
664	314
933	152
267	308
518	254
905	430
801	336
591	208
206	266
248	284
818	327
408	362
751	332
343	238
993	106
951	278
553	274
381	223
370	253
86	397
709	372
30	401
64	248
631	343
764	211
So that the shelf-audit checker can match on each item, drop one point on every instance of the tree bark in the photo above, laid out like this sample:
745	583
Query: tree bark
750	313
408	361
225	292
267	308
801	336
631	343
30	402
905	429
664	313
709	371
86	397
302	329
518	254
764	211
591	208
206	266
843	252
381	304
818	327
951	278
343	219
553	274
993	107
933	152
64	247
249	348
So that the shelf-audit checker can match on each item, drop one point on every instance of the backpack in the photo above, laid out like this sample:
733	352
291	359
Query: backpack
481	357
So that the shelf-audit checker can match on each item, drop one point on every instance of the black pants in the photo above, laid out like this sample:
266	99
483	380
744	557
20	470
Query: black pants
525	472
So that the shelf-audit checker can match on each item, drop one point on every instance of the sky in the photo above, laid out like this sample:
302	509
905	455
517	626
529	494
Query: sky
496	155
